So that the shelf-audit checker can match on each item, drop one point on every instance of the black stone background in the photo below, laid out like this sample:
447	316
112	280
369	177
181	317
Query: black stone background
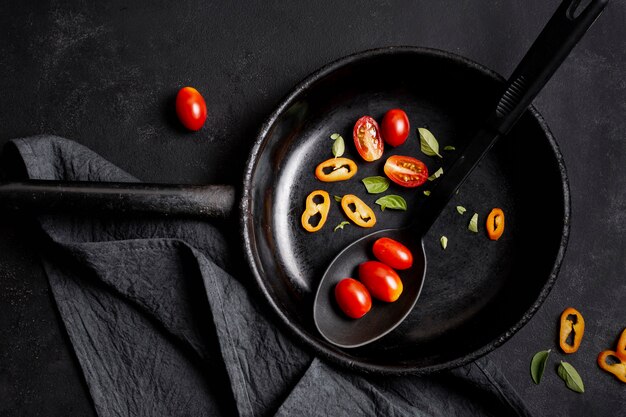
104	73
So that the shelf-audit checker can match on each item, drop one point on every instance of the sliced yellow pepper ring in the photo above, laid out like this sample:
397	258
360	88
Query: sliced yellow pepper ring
361	214
313	208
336	169
572	330
495	224
612	363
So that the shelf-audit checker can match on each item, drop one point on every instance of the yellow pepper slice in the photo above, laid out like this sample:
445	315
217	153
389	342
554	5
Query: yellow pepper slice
361	215
336	169
313	208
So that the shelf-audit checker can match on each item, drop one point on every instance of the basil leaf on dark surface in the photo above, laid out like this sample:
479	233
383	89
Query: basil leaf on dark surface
338	199
538	365
376	185
428	143
340	226
461	209
444	242
473	224
394	202
449	148
571	377
426	193
339	146
436	175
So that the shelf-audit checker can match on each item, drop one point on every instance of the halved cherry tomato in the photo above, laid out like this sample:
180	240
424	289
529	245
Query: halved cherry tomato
335	169
358	211
381	281
353	298
190	108
392	253
367	139
395	127
406	171
495	224
314	208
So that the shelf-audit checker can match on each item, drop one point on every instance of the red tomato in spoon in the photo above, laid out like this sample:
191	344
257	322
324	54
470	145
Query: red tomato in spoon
367	140
395	127
353	298
190	108
381	281
392	253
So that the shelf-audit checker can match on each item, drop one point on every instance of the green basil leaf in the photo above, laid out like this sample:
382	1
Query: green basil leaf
538	365
449	148
461	209
473	224
428	143
444	242
340	226
394	202
339	147
571	377
335	136
426	193
376	185
436	175
338	199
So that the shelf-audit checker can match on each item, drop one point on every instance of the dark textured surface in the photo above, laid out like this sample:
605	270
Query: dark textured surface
105	75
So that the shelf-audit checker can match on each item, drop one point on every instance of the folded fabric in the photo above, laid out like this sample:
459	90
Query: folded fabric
160	326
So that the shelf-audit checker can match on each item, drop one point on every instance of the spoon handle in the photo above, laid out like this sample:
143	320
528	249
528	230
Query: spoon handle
554	43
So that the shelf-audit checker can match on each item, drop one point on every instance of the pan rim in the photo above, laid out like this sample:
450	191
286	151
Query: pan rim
308	339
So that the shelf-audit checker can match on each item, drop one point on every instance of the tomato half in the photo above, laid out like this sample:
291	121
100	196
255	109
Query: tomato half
381	281
190	108
367	139
406	171
392	253
353	298
395	127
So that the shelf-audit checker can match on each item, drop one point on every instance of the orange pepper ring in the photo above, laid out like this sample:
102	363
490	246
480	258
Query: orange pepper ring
339	172
618	369
620	351
495	224
312	208
568	326
362	211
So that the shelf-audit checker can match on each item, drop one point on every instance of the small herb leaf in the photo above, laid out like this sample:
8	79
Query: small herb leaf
339	146
461	209
436	175
426	193
444	242
538	365
449	148
473	224
428	143
376	185
340	226
335	136
338	198
394	202
571	377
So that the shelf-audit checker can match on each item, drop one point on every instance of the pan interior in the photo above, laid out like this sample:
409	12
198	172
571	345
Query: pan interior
476	290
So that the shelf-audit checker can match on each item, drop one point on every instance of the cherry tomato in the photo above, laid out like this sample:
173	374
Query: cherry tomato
381	281
406	171
367	139
392	253
190	108
353	298
395	127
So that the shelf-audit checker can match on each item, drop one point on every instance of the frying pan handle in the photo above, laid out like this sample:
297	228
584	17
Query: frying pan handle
43	196
566	27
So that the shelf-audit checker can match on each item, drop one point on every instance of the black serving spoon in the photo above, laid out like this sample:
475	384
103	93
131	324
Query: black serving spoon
563	31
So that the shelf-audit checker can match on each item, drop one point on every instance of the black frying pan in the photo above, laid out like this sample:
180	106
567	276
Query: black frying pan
477	292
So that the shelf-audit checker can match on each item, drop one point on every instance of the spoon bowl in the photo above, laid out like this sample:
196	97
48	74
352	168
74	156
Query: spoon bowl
345	332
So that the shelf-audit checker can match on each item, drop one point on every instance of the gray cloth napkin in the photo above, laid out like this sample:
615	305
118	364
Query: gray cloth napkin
161	328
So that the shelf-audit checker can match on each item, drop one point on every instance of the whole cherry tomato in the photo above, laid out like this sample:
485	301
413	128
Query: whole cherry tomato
395	127
353	298
392	253
367	140
406	171
381	281
190	108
